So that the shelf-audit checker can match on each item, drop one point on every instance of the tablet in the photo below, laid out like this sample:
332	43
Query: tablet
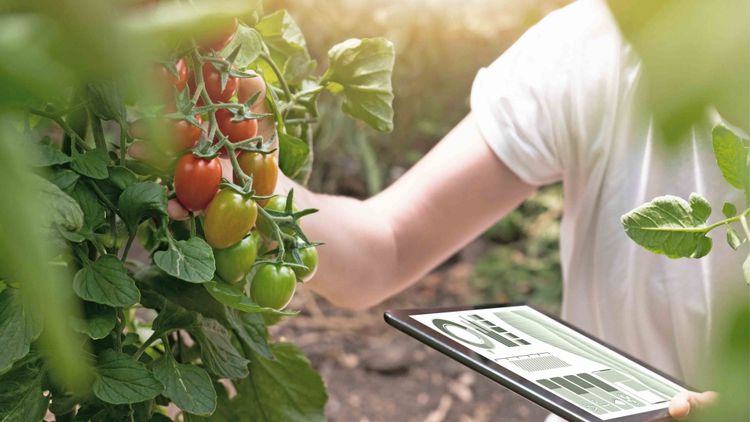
545	360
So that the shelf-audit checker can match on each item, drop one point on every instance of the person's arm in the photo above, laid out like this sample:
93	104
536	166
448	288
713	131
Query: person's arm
378	247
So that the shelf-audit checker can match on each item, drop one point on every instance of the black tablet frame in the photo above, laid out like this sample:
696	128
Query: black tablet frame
401	319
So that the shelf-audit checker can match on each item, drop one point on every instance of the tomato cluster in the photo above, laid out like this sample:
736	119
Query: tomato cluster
226	106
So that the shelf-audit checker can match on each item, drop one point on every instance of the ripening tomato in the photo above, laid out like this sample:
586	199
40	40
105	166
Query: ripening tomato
235	131
278	204
248	87
273	286
221	37
309	257
196	181
229	217
233	263
167	78
212	81
182	134
263	168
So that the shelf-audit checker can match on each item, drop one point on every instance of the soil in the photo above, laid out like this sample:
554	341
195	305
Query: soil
375	373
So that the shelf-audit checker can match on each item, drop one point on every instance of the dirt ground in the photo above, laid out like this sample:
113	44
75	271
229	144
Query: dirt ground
375	373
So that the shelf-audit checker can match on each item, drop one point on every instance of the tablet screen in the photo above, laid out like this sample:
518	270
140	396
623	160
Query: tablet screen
557	358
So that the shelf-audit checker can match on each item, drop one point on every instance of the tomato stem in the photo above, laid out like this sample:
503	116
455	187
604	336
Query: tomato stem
128	245
96	129
64	125
145	345
279	76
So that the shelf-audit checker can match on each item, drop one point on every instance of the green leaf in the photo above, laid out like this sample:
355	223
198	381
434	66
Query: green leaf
733	239
287	47
234	298
224	410
361	69
141	200
122	380
99	320
18	328
729	210
173	317
731	155
21	395
46	154
106	281
217	352
106	100
252	332
62	210
121	177
65	178
701	207
189	260
669	225
252	45
94	213
284	389
746	269
91	163
704	247
191	297
188	386
293	154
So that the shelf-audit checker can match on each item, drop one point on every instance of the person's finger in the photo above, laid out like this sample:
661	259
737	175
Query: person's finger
679	406
176	211
683	403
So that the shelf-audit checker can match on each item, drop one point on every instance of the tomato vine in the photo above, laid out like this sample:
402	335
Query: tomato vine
175	282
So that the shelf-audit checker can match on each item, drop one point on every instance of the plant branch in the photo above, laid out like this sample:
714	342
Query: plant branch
145	345
64	125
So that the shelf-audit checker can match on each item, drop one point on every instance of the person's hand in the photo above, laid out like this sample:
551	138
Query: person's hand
683	403
177	212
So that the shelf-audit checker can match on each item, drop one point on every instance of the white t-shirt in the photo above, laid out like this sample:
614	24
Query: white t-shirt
563	104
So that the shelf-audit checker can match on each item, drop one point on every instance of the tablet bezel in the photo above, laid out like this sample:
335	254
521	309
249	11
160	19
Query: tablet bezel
401	319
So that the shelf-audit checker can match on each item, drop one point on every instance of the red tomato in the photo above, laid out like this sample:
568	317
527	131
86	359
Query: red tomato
196	181
247	87
170	79
221	37
264	170
235	131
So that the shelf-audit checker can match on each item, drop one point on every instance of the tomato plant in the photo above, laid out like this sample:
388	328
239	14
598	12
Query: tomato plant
672	226
117	161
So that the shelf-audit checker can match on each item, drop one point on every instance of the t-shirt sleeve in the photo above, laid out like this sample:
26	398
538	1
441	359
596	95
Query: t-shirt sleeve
530	102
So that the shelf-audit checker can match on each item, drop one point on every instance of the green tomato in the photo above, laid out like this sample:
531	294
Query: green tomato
273	286
309	257
229	217
233	263
278	204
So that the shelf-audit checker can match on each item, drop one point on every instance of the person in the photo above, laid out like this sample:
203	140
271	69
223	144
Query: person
564	103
